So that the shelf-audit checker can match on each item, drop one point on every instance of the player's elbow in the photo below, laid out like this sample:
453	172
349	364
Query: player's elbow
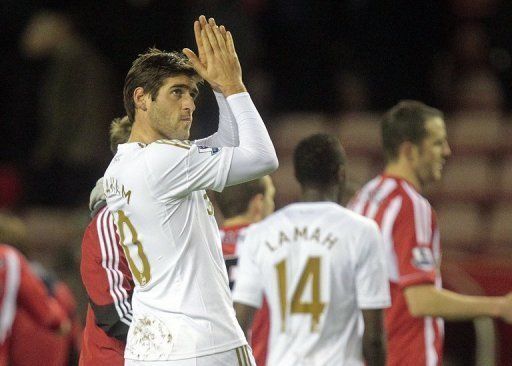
271	163
265	165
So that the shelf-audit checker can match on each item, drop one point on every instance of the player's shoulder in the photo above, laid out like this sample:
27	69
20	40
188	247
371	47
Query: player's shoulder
350	219
257	227
7	250
164	154
371	184
412	199
330	212
164	144
277	217
273	220
167	149
353	218
125	159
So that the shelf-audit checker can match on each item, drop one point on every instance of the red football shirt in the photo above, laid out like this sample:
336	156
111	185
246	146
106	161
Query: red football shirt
108	282
411	236
34	344
22	290
232	237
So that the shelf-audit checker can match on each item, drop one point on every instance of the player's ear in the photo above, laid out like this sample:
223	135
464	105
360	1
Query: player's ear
342	175
409	151
139	98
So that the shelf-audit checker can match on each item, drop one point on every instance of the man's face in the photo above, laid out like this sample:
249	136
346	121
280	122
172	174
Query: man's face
268	196
170	114
432	152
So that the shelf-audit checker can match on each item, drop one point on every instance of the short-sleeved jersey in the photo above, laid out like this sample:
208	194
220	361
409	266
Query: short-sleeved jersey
20	288
232	239
182	305
318	264
411	238
109	286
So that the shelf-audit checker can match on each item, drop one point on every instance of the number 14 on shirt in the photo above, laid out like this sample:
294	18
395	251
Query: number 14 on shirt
315	308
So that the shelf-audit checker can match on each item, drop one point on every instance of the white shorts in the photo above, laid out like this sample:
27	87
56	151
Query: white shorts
241	356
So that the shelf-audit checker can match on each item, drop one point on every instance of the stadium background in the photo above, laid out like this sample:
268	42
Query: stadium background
310	66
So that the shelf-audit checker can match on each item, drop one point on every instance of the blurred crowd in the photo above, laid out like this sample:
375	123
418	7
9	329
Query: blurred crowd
310	65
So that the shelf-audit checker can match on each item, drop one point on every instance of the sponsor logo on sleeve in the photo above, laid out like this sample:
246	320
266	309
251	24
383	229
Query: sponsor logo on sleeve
207	149
423	259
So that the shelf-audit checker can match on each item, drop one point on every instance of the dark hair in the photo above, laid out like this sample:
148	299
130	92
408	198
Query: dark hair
405	122
234	200
149	71
120	129
317	160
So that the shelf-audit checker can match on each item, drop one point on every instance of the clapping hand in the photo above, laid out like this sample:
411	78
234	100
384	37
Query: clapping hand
217	61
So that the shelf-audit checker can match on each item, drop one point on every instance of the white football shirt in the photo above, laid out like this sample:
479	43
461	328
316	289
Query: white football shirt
318	264
182	306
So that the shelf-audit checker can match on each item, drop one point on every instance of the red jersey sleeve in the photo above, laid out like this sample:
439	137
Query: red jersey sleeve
106	276
412	237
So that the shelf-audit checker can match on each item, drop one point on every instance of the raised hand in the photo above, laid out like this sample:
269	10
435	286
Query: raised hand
217	61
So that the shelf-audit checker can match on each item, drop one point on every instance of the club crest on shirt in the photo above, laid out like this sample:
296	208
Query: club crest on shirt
207	149
149	337
422	258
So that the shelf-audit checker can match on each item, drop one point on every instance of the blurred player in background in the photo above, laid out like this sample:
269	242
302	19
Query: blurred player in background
106	276
242	205
321	268
33	343
30	342
155	189
416	149
21	290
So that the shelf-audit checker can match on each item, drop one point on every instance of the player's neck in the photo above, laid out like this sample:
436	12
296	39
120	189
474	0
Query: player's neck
402	170
326	194
141	132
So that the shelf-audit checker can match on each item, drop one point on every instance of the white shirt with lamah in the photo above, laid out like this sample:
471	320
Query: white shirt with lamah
318	265
182	306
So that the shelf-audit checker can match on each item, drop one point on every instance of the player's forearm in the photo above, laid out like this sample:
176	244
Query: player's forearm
430	301
113	318
255	156
227	133
244	315
374	349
